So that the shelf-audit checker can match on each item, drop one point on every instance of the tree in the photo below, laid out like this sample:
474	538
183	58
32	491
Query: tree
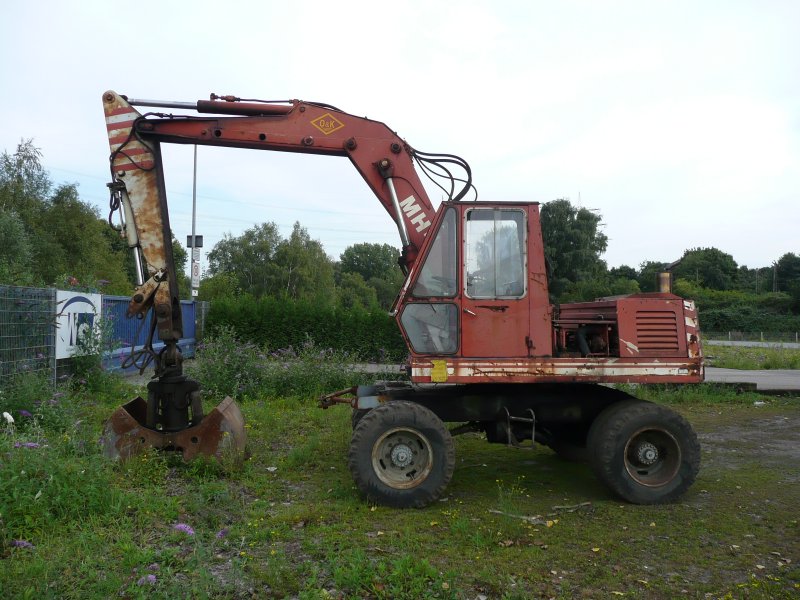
377	265
305	271
648	275
600	286
371	260
354	292
181	257
71	241
24	184
386	290
16	250
573	243
787	272
249	258
264	264
220	285
709	267
624	272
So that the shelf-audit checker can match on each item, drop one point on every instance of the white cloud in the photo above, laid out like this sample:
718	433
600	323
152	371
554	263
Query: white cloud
676	120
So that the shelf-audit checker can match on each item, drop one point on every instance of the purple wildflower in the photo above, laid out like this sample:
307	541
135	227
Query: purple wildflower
25	413
26	445
21	544
222	533
153	567
147	579
183	528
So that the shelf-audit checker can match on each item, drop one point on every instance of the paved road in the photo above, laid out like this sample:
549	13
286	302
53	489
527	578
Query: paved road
773	379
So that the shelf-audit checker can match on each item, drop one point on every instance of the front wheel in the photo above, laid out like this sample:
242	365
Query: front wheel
401	455
646	453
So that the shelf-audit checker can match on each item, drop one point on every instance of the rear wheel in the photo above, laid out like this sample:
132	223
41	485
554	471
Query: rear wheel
401	455
646	453
358	414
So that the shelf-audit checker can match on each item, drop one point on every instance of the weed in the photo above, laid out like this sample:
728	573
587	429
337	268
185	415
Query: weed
227	366
40	489
90	346
74	525
512	497
404	577
737	357
699	394
30	397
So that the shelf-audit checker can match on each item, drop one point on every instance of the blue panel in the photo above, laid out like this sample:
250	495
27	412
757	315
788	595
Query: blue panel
132	333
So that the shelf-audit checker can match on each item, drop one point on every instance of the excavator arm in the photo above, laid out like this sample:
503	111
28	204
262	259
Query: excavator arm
384	160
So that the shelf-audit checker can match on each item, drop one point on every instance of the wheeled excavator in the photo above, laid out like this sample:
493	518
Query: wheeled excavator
488	350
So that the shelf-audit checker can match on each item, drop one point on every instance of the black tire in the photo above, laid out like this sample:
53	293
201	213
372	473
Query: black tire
401	455
358	414
646	453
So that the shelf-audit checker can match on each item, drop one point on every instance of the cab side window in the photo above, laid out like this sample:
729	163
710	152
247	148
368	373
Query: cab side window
495	257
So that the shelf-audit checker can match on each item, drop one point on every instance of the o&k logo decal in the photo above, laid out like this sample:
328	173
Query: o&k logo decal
327	123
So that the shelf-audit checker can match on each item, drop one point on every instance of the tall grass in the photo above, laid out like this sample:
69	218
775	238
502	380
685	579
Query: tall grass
737	357
228	366
289	522
51	469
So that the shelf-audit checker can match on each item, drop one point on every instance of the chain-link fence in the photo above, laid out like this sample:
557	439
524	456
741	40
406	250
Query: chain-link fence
200	316
753	336
27	331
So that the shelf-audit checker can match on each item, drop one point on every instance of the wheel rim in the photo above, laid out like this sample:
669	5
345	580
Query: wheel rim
402	458
652	456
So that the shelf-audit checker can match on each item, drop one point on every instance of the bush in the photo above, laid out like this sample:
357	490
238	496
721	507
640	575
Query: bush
269	322
734	310
227	366
32	400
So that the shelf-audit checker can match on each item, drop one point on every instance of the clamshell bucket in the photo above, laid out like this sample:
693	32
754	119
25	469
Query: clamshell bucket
219	434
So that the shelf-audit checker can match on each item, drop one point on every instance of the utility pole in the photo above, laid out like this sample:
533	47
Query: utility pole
195	242
774	277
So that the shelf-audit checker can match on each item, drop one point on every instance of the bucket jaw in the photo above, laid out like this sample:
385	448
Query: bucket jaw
140	425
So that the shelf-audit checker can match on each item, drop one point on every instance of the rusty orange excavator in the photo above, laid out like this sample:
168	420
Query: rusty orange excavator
489	351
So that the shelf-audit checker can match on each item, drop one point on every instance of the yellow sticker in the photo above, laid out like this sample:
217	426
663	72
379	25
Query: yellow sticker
439	371
327	123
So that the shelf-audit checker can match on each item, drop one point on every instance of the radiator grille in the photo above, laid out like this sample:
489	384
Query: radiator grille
657	331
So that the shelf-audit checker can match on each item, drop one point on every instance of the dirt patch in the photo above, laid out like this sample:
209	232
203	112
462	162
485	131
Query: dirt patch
773	440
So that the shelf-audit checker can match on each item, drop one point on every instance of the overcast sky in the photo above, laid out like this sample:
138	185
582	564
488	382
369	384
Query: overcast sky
678	121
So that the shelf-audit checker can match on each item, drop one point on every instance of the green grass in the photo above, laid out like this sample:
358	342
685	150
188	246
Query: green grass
738	357
99	528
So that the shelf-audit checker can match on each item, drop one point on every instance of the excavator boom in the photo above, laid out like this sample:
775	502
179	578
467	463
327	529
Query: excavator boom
138	194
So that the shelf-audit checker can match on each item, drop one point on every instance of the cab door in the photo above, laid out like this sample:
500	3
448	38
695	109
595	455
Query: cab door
495	314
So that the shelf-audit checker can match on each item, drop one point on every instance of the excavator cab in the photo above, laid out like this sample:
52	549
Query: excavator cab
481	287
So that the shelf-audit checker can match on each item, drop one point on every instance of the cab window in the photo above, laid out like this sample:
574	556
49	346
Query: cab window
437	278
495	258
